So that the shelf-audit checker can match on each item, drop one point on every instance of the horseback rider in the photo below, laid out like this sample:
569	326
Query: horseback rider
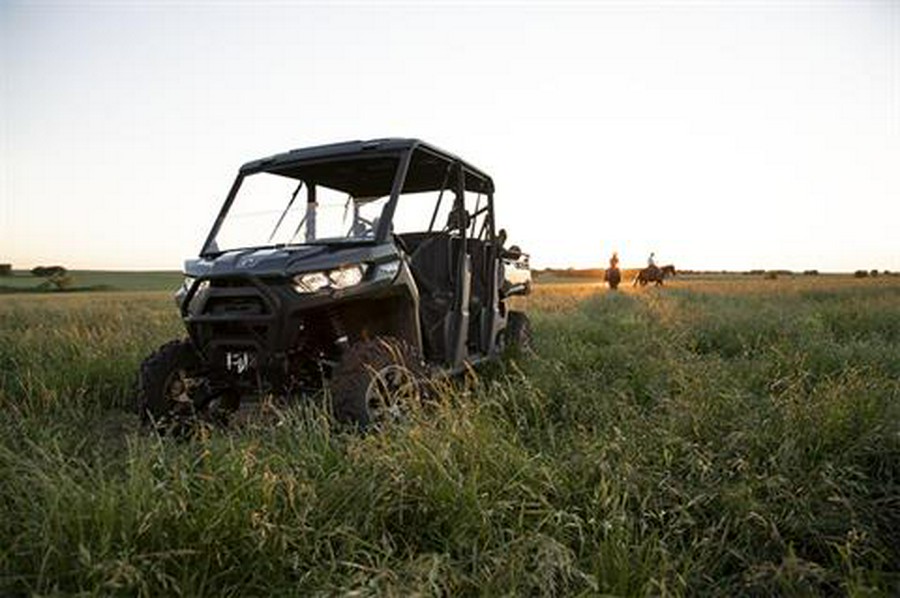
652	268
652	273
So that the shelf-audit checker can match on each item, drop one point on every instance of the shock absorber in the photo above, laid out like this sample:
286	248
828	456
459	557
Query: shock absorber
336	322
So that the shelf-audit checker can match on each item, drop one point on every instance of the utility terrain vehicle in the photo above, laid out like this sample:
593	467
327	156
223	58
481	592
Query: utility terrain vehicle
517	269
364	267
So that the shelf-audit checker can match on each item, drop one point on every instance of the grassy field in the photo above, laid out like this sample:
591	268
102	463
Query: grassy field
113	280
714	437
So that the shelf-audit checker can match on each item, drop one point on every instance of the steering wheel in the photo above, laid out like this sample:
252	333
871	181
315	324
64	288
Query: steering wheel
361	226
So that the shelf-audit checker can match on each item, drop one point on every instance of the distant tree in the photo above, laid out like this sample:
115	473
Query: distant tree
771	275
810	272
48	271
874	272
57	277
5	269
861	273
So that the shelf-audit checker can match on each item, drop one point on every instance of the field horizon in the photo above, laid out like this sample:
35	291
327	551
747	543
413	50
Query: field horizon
721	435
111	280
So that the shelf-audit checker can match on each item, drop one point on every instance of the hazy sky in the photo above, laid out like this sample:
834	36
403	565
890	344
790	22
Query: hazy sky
721	135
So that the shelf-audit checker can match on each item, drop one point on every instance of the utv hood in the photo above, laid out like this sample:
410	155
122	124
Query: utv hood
269	262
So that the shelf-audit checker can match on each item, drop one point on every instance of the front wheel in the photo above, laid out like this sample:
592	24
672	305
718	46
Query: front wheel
173	389
377	381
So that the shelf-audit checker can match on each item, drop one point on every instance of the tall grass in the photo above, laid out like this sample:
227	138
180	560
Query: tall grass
703	439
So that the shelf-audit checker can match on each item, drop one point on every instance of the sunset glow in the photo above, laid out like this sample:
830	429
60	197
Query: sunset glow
719	135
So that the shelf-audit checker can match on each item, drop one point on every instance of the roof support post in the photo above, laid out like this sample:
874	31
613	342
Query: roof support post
387	217
211	238
462	278
311	206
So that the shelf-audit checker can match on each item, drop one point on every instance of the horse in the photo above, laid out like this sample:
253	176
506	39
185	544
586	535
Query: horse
653	274
612	276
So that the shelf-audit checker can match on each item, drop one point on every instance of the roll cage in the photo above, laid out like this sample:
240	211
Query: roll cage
376	168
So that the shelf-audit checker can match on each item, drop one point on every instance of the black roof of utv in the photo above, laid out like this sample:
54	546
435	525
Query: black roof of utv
340	165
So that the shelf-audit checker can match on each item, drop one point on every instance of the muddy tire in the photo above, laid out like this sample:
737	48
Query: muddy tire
172	391
517	334
377	381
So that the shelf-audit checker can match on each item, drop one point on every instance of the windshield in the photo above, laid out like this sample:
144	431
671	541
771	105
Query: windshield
273	210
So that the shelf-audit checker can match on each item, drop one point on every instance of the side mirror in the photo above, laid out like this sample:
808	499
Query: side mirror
513	253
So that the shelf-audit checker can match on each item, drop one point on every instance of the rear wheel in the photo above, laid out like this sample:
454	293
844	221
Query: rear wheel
517	335
173	390
377	381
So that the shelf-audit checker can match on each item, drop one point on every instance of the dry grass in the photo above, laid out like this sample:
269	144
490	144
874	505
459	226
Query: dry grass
712	437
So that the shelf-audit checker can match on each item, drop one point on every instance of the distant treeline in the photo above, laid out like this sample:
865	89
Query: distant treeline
56	278
571	272
48	271
40	271
775	273
581	274
597	273
873	273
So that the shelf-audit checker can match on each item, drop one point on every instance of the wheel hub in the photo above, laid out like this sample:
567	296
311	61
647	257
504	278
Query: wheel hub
391	392
180	390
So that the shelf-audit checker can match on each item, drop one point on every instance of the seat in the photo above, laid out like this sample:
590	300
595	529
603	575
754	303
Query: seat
432	267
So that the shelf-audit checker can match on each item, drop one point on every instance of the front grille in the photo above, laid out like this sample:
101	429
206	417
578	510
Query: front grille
234	296
239	306
232	311
224	283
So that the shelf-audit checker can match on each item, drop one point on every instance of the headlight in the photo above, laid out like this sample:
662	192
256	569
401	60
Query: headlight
187	283
310	282
346	277
340	278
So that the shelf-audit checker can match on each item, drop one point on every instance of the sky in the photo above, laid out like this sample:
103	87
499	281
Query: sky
734	135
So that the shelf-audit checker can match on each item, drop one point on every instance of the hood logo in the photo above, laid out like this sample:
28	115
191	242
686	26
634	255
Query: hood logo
246	262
